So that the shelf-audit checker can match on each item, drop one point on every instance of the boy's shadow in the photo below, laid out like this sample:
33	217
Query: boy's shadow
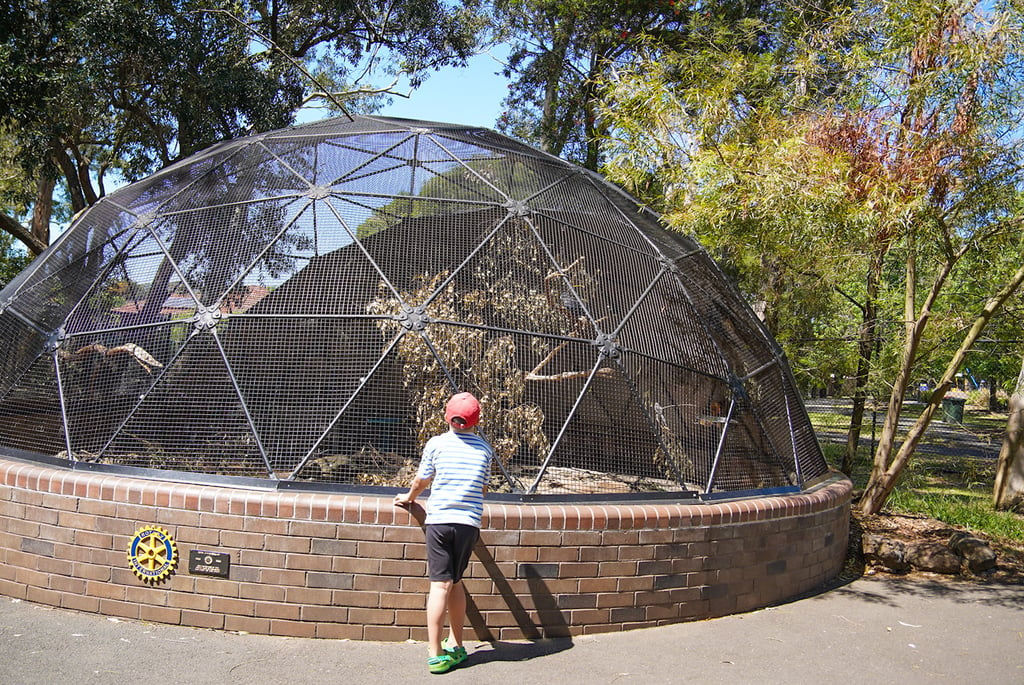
549	634
498	650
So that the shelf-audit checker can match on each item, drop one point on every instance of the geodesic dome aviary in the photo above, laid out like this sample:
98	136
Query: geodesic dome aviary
298	305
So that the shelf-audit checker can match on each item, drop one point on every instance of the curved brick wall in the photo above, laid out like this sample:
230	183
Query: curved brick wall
349	566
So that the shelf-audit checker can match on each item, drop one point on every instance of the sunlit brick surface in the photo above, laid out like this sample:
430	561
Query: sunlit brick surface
349	566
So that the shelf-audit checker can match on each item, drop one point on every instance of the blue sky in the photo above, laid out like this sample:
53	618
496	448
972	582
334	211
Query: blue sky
457	96
470	96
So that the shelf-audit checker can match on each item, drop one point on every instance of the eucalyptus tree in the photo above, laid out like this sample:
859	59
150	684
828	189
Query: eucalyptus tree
717	133
955	164
115	89
562	50
558	50
886	165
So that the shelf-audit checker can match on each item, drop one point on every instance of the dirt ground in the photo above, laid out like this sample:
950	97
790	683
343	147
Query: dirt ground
906	528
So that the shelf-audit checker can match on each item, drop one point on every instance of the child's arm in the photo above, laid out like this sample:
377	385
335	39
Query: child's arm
418	485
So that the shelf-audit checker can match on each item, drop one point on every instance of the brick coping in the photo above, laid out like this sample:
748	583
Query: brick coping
378	509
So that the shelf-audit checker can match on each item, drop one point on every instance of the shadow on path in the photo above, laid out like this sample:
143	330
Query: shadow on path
960	592
498	650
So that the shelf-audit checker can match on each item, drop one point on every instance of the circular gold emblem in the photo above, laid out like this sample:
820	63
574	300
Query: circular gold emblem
152	554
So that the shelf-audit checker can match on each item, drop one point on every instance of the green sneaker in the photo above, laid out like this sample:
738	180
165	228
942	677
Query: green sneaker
457	653
440	664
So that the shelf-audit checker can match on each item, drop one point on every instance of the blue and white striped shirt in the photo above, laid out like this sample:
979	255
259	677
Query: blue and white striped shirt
460	464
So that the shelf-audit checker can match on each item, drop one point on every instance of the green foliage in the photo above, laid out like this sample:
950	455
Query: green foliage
787	193
564	50
768	205
560	49
12	260
996	357
873	152
116	89
15	191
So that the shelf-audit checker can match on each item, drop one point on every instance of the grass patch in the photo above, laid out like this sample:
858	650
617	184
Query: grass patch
957	491
953	488
970	510
820	419
985	422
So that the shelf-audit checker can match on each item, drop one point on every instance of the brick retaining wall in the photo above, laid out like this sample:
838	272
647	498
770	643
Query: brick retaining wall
350	566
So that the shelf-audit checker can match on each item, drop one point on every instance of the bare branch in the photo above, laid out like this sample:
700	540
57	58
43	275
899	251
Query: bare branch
358	91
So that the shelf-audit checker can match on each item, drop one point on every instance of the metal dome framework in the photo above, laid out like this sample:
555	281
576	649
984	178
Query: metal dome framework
298	305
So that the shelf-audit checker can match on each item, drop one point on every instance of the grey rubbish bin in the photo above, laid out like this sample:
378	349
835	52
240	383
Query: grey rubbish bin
953	409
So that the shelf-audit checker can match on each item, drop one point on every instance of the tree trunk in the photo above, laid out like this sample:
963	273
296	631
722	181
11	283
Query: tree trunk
21	233
865	349
42	211
1008	492
81	164
71	179
915	325
884	479
552	137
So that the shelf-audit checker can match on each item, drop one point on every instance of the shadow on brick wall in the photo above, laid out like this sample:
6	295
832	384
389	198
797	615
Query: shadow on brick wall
552	620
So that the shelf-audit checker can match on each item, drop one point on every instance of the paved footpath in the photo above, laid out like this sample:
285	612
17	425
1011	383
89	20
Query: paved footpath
869	631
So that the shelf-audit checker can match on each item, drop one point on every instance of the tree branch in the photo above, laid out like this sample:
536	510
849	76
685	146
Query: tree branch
20	232
294	62
358	91
878	490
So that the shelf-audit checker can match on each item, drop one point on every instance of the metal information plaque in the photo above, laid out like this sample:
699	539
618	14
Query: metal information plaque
205	563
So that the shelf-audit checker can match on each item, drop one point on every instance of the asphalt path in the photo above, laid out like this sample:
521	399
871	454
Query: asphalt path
942	438
872	630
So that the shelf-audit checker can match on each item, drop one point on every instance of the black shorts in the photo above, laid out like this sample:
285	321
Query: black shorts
449	546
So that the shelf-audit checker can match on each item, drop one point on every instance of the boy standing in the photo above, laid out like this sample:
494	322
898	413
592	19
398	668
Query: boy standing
456	465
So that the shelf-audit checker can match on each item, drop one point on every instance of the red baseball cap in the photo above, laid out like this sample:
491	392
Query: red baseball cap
463	406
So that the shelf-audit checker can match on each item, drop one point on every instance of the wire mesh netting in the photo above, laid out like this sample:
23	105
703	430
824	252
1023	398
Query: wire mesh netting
299	305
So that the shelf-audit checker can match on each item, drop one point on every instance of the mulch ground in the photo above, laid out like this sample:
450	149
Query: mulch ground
1009	561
